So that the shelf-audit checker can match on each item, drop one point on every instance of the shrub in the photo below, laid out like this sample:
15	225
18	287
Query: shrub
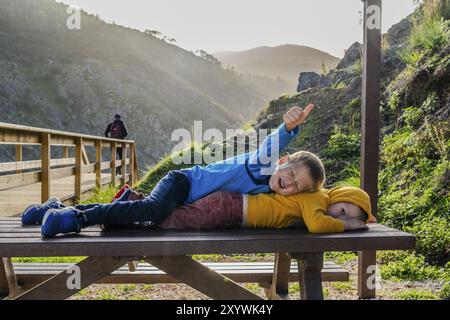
433	238
351	177
415	294
341	153
430	34
343	146
444	293
394	100
408	266
412	117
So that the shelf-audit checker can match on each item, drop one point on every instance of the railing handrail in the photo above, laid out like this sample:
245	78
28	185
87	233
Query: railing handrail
9	126
20	135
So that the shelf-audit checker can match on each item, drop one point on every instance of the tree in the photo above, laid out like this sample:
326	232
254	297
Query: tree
208	57
160	36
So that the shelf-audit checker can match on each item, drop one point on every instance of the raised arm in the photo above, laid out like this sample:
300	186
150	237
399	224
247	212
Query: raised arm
269	150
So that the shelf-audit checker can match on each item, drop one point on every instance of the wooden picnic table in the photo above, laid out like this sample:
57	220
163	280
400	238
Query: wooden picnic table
170	250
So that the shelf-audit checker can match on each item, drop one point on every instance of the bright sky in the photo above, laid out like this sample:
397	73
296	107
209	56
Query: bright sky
234	25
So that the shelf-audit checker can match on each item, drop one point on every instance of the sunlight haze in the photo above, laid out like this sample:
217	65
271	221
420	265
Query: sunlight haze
234	25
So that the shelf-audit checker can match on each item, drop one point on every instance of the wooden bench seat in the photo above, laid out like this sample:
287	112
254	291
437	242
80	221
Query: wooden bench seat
242	272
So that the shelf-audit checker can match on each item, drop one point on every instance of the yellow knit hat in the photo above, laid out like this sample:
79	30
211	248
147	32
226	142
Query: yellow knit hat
353	195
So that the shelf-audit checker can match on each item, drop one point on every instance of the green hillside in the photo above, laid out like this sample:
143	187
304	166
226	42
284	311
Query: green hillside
76	80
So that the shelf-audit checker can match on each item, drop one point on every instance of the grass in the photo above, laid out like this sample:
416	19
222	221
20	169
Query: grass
403	265
339	85
415	294
253	287
127	288
105	295
343	286
341	257
48	260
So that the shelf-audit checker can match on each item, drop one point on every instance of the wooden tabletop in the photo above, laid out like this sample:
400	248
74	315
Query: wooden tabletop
19	241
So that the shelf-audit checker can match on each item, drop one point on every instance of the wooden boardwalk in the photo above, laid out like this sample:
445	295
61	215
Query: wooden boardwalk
14	201
71	177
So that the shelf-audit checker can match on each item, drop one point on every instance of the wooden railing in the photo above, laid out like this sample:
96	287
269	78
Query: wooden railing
46	170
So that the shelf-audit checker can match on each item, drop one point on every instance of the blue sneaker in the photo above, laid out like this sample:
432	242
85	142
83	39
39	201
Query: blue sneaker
65	220
35	213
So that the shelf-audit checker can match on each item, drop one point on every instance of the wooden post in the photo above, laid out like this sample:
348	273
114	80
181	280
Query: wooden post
113	163
66	152
132	165
136	167
124	163
19	155
370	131
98	163
45	166
78	168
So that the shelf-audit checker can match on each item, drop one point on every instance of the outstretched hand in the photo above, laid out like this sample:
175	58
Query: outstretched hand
296	116
354	224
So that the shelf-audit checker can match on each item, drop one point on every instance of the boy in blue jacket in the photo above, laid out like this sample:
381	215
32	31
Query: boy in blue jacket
246	174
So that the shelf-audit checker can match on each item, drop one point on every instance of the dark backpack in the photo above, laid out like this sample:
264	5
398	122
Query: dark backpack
116	130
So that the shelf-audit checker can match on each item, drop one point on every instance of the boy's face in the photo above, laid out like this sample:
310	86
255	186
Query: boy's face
288	180
344	211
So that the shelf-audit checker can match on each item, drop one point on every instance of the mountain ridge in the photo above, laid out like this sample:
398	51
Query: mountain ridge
275	69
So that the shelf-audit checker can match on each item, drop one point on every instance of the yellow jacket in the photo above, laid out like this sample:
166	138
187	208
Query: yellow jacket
271	210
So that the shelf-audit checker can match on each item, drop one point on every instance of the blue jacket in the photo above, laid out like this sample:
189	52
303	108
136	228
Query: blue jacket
248	173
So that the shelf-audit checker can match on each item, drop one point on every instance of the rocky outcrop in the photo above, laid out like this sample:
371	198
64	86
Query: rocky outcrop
352	55
398	33
308	80
349	69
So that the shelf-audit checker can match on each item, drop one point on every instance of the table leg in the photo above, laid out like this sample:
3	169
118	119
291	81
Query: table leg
201	278
310	275
366	274
4	288
8	282
279	288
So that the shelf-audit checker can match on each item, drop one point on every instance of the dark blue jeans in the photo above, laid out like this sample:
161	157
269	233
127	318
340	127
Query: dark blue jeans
170	192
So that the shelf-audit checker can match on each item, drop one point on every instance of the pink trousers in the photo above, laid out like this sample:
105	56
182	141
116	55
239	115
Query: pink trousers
218	210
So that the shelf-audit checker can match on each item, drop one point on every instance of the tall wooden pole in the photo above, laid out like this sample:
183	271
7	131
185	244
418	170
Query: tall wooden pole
370	132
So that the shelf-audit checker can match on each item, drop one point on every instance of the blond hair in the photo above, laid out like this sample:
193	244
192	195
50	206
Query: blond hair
312	163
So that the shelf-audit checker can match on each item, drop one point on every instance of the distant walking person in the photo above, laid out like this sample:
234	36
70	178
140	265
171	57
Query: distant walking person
117	130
